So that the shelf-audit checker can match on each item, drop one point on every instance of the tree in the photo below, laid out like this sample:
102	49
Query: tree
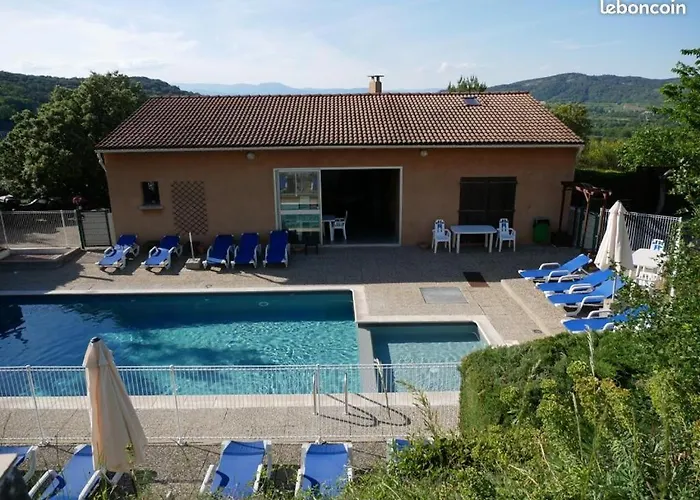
676	148
601	154
682	99
469	84
51	153
574	116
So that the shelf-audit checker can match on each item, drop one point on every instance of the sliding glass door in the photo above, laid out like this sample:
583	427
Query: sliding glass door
299	200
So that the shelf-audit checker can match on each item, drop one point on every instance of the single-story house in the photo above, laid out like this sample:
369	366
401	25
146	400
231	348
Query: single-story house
391	162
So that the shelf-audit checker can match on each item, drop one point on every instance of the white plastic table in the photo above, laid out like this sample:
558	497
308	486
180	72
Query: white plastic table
647	259
487	231
327	220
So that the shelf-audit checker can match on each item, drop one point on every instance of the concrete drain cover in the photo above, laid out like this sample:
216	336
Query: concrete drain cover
443	295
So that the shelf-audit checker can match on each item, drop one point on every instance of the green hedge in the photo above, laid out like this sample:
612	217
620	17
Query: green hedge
503	385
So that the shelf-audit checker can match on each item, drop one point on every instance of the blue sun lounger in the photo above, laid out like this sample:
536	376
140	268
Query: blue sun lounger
551	270
600	320
277	250
240	469
115	256
561	285
579	296
162	255
23	454
398	444
76	481
247	250
219	253
325	468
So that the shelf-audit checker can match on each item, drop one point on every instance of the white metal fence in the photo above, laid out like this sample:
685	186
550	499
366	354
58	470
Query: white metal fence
194	403
642	228
39	229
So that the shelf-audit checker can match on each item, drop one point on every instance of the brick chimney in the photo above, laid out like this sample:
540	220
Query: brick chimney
375	84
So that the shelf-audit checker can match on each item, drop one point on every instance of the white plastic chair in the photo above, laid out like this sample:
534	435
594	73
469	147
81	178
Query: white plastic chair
338	224
441	235
657	245
505	233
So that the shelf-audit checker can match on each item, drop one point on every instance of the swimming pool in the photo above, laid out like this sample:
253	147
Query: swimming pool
219	343
181	329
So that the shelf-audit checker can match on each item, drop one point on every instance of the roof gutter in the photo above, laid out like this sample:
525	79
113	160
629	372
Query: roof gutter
295	148
101	160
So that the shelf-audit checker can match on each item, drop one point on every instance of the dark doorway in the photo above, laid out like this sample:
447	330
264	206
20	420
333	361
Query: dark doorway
486	200
371	198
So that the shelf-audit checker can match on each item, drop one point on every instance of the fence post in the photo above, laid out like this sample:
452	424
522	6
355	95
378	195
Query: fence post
32	390
65	230
317	404
4	233
177	408
345	390
109	231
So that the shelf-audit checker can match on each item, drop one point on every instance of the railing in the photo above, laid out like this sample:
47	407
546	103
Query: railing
49	404
39	229
642	228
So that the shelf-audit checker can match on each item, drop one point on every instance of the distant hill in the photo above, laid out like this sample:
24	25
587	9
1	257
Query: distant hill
577	87
18	92
617	105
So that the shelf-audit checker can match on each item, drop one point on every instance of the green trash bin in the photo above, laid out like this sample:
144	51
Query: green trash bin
540	230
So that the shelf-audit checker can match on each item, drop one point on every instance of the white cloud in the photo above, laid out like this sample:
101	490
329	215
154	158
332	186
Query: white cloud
64	45
447	67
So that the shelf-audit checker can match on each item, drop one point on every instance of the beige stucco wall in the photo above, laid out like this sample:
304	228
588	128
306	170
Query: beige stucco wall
240	192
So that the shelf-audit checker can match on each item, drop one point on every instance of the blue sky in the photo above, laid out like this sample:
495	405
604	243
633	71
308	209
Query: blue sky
337	43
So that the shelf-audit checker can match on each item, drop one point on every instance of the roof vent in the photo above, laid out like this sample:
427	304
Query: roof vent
375	84
472	101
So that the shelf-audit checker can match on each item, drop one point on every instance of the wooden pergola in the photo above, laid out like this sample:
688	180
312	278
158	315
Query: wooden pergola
590	193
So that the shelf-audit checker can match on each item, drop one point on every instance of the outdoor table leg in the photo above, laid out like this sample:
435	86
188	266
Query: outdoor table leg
490	242
458	235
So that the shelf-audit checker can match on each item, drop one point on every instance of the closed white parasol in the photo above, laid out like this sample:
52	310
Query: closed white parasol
615	250
113	420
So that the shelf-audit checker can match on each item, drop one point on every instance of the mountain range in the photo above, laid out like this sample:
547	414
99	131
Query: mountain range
616	104
566	87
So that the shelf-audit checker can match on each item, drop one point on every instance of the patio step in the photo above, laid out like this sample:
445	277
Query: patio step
535	305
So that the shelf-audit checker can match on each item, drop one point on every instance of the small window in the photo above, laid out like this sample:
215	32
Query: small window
151	195
471	101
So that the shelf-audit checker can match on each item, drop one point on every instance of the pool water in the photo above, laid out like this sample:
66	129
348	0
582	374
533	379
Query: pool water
398	344
181	329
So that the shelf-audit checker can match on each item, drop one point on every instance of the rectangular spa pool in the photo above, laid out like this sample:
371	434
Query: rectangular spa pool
399	344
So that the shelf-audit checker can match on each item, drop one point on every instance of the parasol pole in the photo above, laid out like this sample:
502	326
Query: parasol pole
191	245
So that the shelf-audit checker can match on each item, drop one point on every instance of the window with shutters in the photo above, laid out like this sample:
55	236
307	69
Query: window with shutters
485	200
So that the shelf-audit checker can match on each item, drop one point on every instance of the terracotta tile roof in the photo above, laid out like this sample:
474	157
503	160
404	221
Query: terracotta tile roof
191	122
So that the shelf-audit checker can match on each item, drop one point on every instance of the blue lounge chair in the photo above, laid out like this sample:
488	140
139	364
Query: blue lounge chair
77	479
325	468
240	469
396	445
24	454
600	320
579	296
115	256
219	253
162	255
247	250
561	285
551	270
277	250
